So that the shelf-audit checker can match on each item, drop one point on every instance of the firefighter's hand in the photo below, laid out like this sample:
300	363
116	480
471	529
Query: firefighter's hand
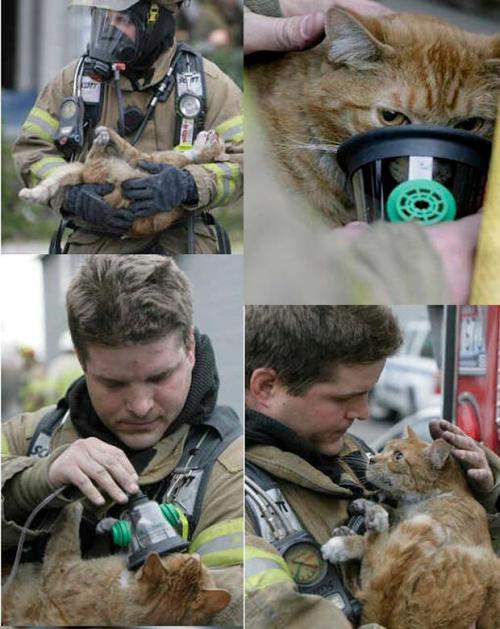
94	467
167	188
302	26
467	451
86	201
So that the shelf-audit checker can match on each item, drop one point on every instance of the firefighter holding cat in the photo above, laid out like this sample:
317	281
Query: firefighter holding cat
309	371
144	415
158	95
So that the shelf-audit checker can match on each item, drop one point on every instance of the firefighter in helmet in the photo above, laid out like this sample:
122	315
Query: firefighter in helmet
158	95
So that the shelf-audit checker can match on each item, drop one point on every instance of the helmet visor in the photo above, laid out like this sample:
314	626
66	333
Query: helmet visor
114	36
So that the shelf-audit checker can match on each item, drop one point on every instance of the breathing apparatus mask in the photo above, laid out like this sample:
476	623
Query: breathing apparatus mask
416	173
133	38
147	527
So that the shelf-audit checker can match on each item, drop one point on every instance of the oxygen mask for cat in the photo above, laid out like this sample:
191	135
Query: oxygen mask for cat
146	527
416	173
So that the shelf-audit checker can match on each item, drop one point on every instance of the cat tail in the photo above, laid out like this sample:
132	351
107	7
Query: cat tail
67	175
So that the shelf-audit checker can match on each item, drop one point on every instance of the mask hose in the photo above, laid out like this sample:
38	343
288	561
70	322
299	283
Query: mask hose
117	68
25	531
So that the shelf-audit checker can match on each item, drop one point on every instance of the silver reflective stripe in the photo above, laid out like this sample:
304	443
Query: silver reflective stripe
224	542
43	124
256	565
228	178
227	135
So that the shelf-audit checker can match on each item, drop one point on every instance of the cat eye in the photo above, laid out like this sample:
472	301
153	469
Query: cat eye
471	124
398	455
390	117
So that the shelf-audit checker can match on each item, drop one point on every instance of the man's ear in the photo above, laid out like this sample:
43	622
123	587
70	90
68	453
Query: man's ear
437	453
355	40
263	382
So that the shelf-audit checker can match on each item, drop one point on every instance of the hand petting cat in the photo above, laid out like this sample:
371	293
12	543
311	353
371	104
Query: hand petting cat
302	24
467	451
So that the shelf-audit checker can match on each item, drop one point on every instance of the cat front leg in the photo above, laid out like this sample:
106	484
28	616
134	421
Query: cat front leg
105	138
344	548
376	517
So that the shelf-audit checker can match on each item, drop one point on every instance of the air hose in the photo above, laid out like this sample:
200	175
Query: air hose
25	530
486	281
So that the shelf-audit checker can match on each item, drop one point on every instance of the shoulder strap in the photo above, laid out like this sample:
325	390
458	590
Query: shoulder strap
205	442
189	78
40	441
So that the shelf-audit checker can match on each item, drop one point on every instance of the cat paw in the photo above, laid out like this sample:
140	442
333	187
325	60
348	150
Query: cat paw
335	550
207	146
376	517
34	195
342	531
102	136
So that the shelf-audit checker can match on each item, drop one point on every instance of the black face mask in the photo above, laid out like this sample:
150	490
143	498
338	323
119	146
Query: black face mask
416	173
135	37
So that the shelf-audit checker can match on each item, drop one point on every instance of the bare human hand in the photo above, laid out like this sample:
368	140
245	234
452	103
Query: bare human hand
302	25
90	462
467	451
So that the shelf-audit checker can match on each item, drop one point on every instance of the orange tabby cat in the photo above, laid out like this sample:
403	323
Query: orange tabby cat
371	72
435	569
66	590
112	159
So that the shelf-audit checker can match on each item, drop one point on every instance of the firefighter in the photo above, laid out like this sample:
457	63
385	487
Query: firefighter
135	420
135	79
309	371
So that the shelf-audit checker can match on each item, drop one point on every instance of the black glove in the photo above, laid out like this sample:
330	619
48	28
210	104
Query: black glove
167	188
85	200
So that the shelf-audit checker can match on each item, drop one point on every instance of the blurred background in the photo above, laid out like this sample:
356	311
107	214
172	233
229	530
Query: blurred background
38	361
39	37
448	367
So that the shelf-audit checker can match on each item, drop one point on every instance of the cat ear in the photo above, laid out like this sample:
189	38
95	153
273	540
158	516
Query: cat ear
411	434
355	40
153	570
216	600
437	453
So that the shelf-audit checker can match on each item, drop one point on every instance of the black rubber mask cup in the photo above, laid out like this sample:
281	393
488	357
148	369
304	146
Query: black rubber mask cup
416	173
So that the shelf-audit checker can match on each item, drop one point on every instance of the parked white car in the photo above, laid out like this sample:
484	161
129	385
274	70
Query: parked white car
410	380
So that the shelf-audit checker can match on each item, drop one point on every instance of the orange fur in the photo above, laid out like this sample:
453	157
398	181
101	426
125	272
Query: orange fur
312	101
435	568
66	590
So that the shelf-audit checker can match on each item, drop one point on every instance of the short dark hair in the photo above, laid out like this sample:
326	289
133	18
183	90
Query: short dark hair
304	344
117	300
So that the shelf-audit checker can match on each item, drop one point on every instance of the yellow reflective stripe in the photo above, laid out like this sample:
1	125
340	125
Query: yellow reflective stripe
231	130
44	167
220	544
181	148
263	569
5	446
41	124
184	524
226	174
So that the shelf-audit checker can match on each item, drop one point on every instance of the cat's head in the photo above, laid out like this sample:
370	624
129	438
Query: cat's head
409	467
177	589
402	68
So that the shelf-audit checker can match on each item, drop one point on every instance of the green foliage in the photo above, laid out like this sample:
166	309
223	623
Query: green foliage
20	220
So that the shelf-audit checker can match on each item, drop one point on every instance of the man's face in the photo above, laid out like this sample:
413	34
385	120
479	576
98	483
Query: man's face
324	413
139	390
123	22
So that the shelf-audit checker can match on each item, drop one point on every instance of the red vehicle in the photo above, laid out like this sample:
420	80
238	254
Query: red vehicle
471	374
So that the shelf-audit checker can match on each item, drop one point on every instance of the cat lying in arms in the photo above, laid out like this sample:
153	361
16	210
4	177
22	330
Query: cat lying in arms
66	590
435	567
112	159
